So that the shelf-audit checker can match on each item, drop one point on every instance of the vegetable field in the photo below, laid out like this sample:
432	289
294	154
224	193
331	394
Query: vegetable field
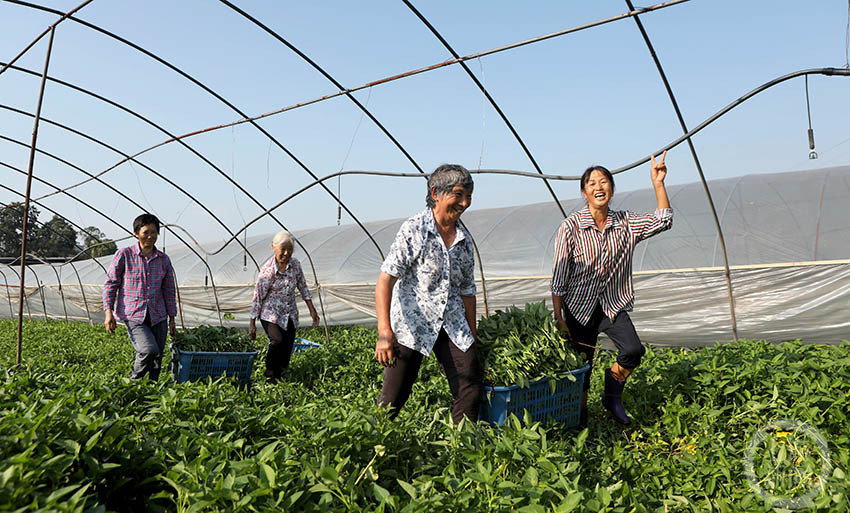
77	435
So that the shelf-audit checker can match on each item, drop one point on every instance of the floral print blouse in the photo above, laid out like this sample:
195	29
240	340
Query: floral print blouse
431	281
274	294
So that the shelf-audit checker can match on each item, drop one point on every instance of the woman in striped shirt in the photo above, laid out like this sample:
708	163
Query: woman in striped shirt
592	277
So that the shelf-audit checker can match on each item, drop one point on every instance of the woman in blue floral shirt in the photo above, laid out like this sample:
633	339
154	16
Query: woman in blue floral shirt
425	298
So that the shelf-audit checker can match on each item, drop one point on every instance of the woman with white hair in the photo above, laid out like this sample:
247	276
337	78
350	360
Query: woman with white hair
274	304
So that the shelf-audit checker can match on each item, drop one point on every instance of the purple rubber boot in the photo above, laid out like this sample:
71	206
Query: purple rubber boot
612	398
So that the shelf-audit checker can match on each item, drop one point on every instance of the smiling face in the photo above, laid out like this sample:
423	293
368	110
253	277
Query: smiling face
282	254
147	236
451	205
598	190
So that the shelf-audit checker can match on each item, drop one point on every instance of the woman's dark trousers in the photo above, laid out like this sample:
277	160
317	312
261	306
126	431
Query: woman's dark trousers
280	348
463	372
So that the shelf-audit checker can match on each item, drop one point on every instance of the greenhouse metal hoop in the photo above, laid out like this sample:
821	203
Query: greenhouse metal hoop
142	164
632	13
458	59
684	127
206	89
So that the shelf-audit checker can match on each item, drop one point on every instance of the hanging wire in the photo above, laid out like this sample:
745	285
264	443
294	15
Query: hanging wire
235	200
812	154
141	189
345	159
269	166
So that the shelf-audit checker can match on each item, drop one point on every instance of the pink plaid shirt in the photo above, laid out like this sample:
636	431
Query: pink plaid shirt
137	285
274	294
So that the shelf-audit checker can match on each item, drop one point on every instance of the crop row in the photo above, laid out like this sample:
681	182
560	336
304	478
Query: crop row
77	435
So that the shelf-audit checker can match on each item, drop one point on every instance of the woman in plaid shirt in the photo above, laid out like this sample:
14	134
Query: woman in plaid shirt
592	277
140	287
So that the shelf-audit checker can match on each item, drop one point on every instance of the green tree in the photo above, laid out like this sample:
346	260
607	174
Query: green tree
102	245
11	222
56	238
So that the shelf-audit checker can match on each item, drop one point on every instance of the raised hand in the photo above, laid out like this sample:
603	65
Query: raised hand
659	170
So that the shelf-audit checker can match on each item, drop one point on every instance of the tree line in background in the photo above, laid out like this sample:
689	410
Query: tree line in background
55	238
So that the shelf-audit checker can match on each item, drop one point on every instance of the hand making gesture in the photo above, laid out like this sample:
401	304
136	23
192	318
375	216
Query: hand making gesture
659	170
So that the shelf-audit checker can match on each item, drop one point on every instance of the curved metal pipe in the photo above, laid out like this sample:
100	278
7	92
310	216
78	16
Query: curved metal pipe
43	225
154	125
58	281
28	189
325	74
82	293
767	85
121	227
684	127
153	171
38	289
211	92
48	29
191	149
8	295
26	298
489	99
439	65
366	111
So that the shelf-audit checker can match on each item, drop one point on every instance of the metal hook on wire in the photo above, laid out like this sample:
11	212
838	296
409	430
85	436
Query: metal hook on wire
812	153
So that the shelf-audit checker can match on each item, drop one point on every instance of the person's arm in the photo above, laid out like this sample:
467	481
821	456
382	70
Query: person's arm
313	313
647	225
114	277
467	287
558	306
386	338
305	291
561	275
658	173
261	288
469	305
169	294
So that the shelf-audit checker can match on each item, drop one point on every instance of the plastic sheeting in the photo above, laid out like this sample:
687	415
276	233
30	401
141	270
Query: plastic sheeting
787	236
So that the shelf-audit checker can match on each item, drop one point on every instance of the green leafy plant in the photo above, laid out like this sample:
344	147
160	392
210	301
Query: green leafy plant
521	345
214	339
77	435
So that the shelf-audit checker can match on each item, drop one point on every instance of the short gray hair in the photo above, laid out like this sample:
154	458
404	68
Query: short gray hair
445	178
282	238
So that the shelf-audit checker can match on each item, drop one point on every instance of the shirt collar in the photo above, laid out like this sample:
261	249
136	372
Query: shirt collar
137	250
585	219
431	226
277	267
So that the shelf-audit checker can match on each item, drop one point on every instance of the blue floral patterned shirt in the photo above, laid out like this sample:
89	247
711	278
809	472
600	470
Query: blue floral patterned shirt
431	281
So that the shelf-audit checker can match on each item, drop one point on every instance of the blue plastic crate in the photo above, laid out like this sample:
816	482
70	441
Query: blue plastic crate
563	405
194	365
302	344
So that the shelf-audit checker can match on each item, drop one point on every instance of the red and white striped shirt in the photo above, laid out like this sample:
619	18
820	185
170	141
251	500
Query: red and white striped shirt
593	266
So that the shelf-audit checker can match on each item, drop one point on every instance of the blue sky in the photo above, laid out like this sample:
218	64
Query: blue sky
590	97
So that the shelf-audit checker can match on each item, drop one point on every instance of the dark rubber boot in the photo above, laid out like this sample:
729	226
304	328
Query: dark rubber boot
612	398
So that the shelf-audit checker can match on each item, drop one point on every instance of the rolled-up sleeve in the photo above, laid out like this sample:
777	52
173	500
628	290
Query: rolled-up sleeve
561	266
645	226
114	278
401	253
467	287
